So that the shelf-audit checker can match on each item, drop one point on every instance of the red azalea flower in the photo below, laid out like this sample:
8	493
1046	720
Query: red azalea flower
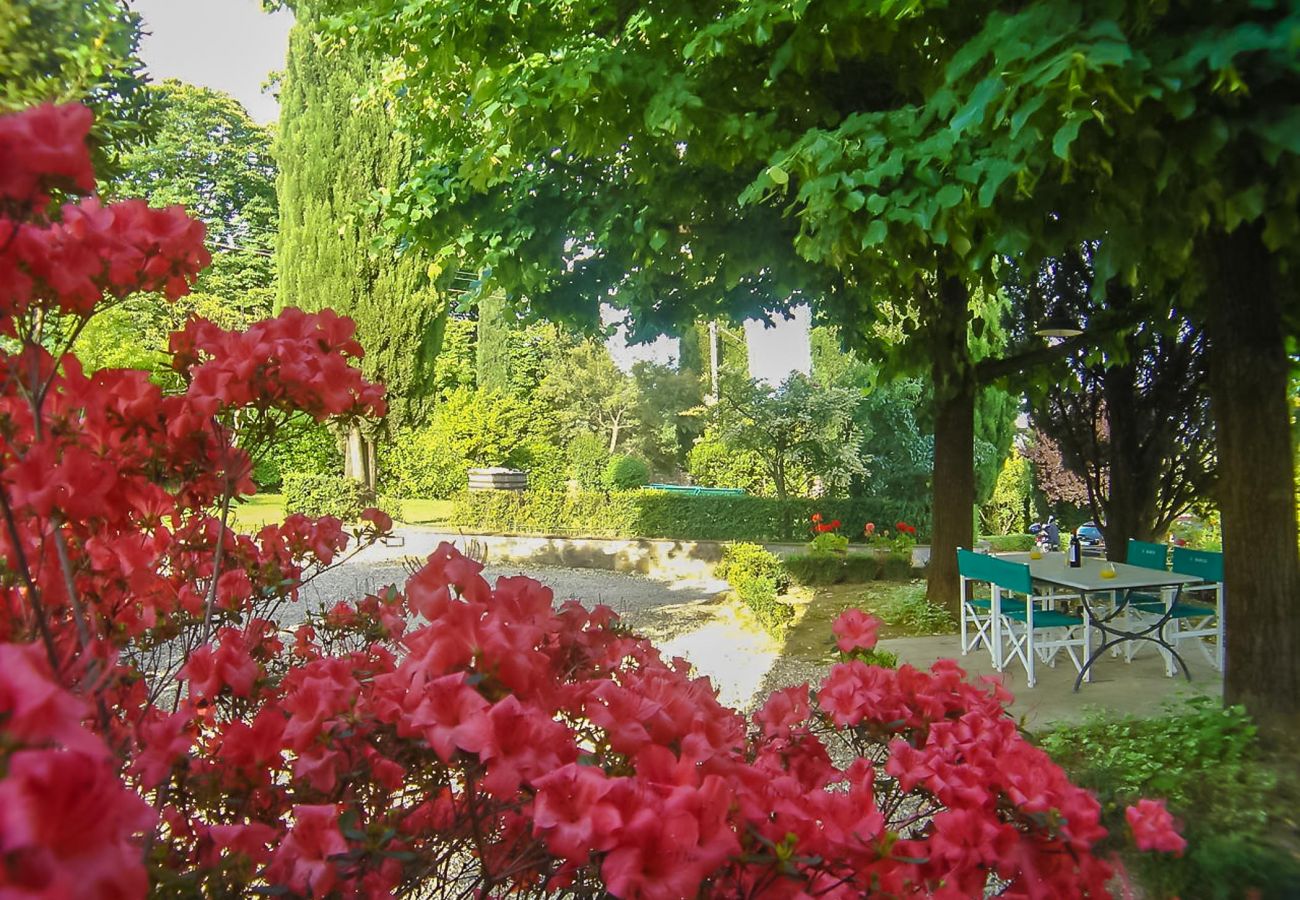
855	630
1153	827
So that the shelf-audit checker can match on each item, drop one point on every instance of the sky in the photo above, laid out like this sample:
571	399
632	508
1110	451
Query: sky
233	46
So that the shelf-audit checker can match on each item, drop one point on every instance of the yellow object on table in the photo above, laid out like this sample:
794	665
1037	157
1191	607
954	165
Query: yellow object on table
1108	570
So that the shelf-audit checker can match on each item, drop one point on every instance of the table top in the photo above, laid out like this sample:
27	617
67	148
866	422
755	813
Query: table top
1053	568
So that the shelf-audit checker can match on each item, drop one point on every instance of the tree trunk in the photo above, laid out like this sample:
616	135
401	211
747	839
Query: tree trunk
1129	507
1256	487
359	457
953	487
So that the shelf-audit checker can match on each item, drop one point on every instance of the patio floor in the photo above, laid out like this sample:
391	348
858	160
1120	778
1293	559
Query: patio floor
1137	688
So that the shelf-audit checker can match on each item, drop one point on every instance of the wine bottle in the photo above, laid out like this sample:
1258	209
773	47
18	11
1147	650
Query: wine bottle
1076	552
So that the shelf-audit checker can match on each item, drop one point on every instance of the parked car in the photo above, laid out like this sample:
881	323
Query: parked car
1090	536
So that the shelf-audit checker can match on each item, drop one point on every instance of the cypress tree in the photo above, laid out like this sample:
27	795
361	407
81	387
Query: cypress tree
337	148
495	323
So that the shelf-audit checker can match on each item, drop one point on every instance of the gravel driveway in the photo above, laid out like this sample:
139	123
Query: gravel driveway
684	617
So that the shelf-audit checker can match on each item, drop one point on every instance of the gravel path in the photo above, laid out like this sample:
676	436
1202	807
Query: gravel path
684	617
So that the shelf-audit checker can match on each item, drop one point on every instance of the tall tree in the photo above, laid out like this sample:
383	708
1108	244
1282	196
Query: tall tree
587	392
496	320
1134	423
1173	132
800	425
338	152
756	143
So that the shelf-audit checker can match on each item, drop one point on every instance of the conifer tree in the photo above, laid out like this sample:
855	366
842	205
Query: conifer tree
339	150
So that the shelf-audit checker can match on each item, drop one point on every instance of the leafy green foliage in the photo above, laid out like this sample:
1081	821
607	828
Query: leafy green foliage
666	431
711	463
496	321
1205	761
828	542
209	156
587	393
454	367
801	426
753	559
544	463
581	514
759	593
907	611
471	429
1009	543
623	473
303	446
1012	497
588	457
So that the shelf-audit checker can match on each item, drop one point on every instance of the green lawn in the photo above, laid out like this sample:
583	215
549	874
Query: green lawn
259	510
426	512
262	509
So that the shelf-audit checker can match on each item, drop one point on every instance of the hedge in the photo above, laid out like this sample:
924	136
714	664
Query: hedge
660	514
854	568
1008	543
332	495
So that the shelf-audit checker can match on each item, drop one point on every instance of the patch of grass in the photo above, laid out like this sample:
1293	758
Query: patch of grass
426	512
259	510
264	509
901	607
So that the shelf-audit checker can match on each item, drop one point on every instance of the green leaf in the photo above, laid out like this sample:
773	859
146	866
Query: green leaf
973	111
854	201
778	175
949	196
1065	136
658	240
876	232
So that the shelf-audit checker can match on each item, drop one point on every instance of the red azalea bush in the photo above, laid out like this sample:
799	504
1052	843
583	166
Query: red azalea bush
159	732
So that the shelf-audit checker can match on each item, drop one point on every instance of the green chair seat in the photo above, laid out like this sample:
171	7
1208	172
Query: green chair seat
1182	610
1044	618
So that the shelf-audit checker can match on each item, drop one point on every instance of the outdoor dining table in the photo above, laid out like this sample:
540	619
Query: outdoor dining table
1104	599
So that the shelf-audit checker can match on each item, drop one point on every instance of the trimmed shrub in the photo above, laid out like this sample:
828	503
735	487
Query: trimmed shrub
753	560
588	456
623	473
824	568
1008	543
759	593
897	567
324	495
586	514
659	514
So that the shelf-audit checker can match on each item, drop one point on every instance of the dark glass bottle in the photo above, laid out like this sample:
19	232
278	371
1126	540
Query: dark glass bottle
1076	552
